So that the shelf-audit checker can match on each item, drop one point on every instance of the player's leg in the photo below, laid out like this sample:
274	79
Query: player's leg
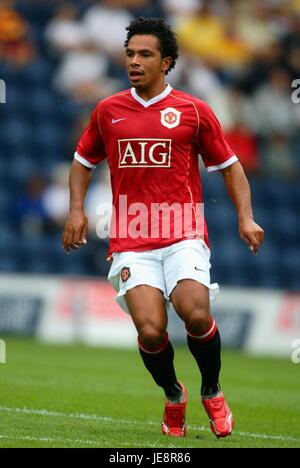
139	280
147	309
188	282
191	302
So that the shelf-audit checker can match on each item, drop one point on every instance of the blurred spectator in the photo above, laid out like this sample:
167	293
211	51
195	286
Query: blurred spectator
13	27
273	104
30	213
291	44
277	158
138	7
292	37
241	109
209	37
240	133
276	119
293	60
148	8
254	25
259	69
243	143
82	74
200	80
56	195
19	56
177	10
176	77
105	23
15	47
65	31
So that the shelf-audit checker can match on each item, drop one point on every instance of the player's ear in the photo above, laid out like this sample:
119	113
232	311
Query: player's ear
166	63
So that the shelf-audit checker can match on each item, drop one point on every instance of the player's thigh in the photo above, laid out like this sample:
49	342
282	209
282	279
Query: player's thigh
130	270
148	311
187	276
190	300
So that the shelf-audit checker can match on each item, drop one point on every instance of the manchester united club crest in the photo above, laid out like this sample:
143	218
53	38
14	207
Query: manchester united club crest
170	117
125	274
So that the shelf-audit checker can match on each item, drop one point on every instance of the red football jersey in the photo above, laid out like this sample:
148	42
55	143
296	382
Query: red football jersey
152	149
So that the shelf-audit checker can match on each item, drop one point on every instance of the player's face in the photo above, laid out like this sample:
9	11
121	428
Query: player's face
145	66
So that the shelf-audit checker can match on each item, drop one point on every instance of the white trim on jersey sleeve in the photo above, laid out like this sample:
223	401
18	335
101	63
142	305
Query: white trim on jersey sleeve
227	163
84	161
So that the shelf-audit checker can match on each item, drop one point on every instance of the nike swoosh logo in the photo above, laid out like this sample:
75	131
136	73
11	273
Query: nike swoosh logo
113	121
198	269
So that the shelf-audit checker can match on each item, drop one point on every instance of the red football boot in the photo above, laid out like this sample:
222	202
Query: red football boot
173	423
220	417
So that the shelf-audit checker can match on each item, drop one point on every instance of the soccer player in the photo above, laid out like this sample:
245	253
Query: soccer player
152	135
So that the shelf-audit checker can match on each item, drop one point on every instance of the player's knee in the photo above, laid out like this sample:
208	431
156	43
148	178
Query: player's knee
152	335
198	320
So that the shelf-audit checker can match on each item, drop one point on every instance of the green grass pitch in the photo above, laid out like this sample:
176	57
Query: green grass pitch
74	396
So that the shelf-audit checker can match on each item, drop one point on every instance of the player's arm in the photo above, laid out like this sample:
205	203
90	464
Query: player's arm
90	151
76	226
239	190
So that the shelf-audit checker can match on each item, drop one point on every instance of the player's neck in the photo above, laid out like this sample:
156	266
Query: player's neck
150	93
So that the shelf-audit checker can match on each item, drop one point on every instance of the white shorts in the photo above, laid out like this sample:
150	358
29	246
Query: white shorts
161	269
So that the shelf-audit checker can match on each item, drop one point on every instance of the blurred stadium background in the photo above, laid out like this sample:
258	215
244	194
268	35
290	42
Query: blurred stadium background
57	60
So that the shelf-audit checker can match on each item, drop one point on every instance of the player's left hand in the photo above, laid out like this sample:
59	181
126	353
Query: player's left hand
252	234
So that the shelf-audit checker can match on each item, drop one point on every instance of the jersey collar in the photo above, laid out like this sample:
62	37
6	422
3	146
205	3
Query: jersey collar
155	99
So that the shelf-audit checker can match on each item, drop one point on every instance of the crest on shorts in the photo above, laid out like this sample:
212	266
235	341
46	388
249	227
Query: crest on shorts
125	274
170	117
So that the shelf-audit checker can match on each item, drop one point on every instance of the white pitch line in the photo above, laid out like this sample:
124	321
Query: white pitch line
93	417
49	439
254	436
62	439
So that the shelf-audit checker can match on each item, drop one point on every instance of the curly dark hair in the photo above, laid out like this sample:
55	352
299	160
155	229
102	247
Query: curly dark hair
156	27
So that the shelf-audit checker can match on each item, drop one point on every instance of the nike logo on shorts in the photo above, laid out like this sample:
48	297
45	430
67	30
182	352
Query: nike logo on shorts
114	121
198	269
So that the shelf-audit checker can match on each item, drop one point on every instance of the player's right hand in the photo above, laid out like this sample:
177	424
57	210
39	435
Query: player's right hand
75	231
252	234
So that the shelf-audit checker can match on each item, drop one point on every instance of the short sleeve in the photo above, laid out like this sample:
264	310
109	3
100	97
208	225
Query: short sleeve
90	149
212	146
